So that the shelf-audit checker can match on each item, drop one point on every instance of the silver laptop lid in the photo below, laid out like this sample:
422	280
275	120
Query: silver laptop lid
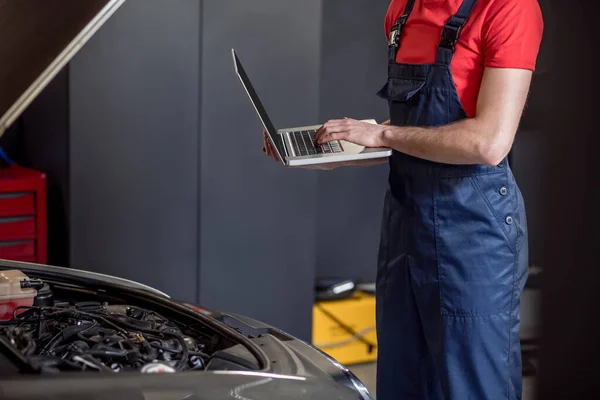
260	109
39	37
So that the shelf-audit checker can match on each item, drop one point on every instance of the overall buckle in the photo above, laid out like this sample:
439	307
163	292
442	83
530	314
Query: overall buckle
450	36
397	30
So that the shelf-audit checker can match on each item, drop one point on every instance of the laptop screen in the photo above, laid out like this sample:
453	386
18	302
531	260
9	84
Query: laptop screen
260	109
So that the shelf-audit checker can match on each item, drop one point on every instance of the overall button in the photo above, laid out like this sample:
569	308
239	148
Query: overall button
509	220
503	190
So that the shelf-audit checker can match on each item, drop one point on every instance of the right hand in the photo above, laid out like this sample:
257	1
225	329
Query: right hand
269	150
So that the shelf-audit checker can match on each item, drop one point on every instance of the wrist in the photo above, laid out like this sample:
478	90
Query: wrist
385	138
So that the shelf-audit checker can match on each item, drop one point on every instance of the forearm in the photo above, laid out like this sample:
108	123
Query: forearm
466	142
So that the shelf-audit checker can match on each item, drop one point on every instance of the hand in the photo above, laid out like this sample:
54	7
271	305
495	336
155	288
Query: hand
269	150
350	130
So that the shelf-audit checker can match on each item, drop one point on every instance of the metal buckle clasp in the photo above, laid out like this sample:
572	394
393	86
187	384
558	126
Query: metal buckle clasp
450	36
397	30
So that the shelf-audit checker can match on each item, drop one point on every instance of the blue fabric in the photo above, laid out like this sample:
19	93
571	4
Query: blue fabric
453	259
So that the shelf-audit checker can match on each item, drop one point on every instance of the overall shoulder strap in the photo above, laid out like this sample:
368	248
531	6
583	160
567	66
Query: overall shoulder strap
452	30
396	32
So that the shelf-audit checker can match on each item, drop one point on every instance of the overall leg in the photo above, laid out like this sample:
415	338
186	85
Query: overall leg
402	361
472	332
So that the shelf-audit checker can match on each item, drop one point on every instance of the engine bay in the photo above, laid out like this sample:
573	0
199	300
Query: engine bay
75	329
102	337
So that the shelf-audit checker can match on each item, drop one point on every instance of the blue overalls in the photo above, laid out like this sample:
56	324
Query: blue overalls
453	257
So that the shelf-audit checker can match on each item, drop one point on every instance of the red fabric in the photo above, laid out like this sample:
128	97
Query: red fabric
499	33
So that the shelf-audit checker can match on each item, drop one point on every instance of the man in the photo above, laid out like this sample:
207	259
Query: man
453	258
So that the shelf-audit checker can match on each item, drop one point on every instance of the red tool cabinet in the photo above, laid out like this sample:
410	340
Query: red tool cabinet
23	232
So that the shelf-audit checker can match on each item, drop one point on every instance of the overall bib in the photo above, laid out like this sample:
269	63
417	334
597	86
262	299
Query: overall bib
453	257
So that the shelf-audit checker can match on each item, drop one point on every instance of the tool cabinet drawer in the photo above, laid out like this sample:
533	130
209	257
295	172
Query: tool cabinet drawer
18	250
21	203
13	228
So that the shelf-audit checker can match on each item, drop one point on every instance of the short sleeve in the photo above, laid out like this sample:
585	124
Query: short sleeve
390	18
512	34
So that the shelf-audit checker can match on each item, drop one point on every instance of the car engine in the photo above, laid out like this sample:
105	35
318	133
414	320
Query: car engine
91	336
101	337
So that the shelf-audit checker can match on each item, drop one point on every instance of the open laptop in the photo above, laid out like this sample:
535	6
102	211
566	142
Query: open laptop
295	146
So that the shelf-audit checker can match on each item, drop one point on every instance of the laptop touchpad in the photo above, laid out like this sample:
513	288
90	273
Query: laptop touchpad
351	148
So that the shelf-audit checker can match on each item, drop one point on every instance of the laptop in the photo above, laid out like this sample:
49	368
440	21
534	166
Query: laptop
295	146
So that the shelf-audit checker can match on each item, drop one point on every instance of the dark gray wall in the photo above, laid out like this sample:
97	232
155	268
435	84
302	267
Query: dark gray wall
257	218
350	201
134	146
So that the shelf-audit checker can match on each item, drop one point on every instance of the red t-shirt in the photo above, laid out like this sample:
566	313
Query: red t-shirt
499	33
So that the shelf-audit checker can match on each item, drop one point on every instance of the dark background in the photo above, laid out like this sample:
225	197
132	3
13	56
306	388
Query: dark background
155	173
153	157
571	285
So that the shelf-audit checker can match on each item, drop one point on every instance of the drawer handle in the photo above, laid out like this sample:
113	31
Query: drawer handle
14	243
15	195
12	220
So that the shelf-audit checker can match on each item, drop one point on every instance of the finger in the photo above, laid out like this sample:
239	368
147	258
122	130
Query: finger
330	123
330	134
324	131
335	136
336	125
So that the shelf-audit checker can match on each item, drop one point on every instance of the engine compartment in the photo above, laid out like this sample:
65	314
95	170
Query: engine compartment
102	337
79	329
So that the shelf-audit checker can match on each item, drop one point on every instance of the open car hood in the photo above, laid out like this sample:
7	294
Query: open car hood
39	37
69	274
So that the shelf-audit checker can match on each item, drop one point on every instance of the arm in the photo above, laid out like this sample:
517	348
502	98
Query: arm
485	139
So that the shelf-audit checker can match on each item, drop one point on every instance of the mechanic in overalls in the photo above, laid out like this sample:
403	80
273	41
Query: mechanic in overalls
453	257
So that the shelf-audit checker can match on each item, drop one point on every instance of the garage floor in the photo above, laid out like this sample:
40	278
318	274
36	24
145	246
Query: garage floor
366	373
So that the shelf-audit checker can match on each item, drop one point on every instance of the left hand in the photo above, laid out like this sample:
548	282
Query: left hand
353	131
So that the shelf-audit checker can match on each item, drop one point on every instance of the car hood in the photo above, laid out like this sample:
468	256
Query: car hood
207	386
83	278
293	367
37	45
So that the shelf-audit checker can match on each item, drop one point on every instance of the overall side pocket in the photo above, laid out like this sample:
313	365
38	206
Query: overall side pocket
498	197
475	253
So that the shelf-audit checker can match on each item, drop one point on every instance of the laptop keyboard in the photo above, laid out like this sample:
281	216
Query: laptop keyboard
304	144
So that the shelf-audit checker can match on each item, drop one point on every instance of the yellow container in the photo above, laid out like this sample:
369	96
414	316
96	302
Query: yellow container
345	329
